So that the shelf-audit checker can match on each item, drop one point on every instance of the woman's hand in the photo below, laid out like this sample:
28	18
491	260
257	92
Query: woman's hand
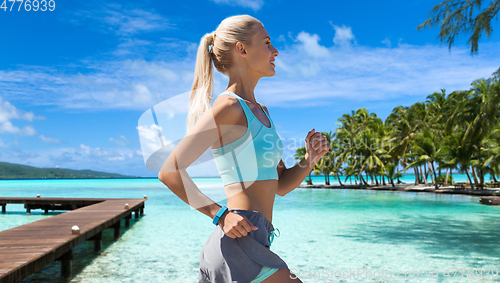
235	225
316	146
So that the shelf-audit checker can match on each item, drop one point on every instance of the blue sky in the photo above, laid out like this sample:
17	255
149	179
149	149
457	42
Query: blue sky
75	81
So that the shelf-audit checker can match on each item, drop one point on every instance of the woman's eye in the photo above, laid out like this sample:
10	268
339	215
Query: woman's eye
268	42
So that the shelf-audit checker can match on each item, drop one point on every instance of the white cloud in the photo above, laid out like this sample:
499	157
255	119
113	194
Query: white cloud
2	144
129	84
123	21
252	4
48	139
387	42
7	127
152	140
307	73
366	73
121	140
134	21
28	131
310	44
100	155
343	35
9	112
131	46
126	161
142	95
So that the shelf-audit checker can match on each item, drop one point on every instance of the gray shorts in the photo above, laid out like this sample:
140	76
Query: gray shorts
227	260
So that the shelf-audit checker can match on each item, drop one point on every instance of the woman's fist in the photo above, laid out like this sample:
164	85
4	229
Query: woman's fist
235	225
316	146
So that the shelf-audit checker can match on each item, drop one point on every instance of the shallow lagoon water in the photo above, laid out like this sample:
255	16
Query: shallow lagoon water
327	235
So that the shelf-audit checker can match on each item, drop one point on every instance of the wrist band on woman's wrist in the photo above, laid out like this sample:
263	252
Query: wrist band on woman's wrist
219	214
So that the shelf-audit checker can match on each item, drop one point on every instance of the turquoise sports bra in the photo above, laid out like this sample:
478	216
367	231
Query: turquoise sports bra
252	157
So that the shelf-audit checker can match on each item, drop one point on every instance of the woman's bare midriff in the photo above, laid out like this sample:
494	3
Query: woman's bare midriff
257	195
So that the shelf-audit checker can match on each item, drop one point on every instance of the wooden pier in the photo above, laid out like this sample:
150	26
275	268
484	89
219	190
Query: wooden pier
26	249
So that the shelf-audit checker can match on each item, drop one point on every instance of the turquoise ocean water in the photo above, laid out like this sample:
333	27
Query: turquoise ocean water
327	235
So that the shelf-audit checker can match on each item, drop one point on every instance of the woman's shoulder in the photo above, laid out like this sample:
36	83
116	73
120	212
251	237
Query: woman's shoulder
226	108
225	102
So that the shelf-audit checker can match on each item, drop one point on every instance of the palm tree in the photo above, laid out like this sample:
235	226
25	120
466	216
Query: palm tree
461	16
391	173
299	154
372	155
351	171
477	112
454	153
336	170
327	162
425	148
456	131
491	150
437	106
405	123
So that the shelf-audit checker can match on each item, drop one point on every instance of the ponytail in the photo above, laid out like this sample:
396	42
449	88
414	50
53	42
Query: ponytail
203	85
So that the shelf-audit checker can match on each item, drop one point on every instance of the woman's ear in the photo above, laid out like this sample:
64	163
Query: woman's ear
240	49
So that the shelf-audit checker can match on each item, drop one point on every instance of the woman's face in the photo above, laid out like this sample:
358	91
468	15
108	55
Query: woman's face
260	56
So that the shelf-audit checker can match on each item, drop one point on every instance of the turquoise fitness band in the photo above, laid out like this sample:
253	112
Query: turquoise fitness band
219	214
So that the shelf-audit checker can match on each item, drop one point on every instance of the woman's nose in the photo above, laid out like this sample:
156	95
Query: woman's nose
276	51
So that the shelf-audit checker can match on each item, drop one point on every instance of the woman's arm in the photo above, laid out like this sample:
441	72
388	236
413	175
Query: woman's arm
212	125
291	178
181	184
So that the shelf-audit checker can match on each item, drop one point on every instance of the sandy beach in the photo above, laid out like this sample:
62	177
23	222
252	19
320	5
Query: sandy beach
412	188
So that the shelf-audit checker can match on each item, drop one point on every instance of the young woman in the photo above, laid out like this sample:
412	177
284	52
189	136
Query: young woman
247	151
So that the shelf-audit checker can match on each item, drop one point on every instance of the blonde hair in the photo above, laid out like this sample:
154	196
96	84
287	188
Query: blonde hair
231	30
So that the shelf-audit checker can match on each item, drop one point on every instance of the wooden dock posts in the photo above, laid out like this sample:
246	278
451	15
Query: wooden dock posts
97	238
26	249
65	260
127	220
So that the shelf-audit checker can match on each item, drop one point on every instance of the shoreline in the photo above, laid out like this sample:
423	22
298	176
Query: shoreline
410	188
79	178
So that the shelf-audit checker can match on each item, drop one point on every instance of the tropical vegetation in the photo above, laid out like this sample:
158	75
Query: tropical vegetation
455	132
455	17
19	171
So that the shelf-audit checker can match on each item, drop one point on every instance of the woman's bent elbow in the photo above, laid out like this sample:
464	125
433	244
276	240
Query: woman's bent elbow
163	176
